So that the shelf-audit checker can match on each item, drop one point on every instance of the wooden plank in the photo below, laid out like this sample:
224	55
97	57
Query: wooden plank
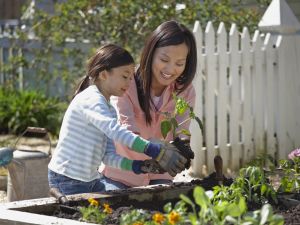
222	98
234	62
270	93
210	87
247	116
197	136
297	100
281	126
258	98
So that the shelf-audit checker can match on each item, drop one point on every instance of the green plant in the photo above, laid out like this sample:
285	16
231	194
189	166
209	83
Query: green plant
226	212
95	213
254	185
290	182
170	122
20	109
250	184
202	210
262	160
171	216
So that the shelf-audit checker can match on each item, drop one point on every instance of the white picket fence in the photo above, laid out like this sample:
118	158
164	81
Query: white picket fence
244	98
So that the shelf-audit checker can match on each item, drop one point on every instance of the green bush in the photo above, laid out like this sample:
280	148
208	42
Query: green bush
20	109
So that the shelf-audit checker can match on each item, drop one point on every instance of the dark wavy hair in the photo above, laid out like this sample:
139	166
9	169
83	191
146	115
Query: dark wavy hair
106	58
166	34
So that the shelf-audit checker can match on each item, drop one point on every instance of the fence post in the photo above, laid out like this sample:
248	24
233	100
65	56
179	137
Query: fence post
285	30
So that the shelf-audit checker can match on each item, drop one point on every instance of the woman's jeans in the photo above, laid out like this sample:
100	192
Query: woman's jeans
70	186
115	185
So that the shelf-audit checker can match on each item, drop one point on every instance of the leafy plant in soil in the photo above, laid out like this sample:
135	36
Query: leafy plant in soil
290	182
200	210
95	213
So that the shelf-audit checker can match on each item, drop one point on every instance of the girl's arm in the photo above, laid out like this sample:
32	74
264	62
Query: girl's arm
103	117
111	158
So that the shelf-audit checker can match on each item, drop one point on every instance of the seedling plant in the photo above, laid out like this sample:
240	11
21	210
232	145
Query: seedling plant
170	123
290	182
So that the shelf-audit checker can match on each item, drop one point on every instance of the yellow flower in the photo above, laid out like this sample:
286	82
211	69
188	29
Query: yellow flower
93	202
173	217
158	218
107	208
138	223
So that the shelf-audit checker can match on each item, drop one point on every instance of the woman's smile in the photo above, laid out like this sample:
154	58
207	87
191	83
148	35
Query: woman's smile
166	76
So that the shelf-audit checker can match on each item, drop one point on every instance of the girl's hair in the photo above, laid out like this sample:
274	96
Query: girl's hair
106	58
166	34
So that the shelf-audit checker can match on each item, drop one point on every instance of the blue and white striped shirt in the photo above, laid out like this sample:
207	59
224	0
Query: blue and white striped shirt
86	137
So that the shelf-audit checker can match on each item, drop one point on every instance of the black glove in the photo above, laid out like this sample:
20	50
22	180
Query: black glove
185	149
147	166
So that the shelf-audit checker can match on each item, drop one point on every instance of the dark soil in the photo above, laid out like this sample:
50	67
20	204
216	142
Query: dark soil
291	215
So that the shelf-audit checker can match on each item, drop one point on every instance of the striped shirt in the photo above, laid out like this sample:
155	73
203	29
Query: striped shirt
86	138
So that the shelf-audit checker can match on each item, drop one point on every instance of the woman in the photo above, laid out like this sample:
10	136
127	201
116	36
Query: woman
168	65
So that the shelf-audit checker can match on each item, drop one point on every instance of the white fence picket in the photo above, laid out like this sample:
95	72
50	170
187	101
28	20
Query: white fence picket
222	95
281	126
259	95
210	87
234	118
247	116
197	136
270	93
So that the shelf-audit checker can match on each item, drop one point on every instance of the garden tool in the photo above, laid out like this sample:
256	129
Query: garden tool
6	153
64	203
218	161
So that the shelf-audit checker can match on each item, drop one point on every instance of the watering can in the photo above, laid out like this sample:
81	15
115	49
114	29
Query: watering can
6	153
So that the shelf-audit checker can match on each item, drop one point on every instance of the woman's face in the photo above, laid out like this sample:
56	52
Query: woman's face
167	65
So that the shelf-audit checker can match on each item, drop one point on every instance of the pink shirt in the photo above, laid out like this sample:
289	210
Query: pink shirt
132	116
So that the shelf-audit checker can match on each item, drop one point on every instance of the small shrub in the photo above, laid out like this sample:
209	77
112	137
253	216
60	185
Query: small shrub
20	109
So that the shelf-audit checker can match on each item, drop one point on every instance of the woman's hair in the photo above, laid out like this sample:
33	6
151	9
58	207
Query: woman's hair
166	34
106	58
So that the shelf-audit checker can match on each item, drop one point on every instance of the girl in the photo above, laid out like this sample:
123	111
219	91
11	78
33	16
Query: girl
90	126
168	64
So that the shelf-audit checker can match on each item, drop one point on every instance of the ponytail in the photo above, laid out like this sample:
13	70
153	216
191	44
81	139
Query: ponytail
106	58
83	84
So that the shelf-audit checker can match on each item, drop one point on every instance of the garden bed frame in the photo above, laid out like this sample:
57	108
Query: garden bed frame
38	211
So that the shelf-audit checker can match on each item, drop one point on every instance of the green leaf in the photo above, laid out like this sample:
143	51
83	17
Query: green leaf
266	211
201	198
187	200
165	127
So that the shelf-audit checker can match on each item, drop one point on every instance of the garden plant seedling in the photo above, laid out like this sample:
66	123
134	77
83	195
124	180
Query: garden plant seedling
170	124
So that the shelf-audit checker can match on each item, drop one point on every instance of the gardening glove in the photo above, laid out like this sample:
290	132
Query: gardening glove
146	166
6	155
167	156
171	160
185	149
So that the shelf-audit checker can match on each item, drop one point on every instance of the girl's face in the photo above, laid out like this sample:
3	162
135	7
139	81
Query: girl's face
116	81
167	65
